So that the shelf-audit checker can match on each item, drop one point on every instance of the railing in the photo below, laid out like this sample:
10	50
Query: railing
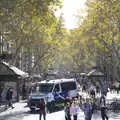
111	104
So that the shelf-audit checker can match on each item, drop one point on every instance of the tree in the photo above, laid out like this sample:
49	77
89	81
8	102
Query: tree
30	24
100	30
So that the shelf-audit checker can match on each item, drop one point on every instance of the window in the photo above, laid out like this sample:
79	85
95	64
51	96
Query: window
57	88
68	86
45	88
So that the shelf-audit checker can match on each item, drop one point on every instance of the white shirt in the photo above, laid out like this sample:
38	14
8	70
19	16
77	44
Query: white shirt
74	109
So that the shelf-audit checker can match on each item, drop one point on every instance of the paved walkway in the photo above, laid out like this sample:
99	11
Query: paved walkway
2	108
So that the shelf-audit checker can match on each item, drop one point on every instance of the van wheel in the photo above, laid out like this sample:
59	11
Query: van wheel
32	110
51	107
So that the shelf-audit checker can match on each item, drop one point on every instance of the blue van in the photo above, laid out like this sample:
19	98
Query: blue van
54	92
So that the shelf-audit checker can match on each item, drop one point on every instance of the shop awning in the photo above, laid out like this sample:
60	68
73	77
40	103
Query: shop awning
8	71
95	73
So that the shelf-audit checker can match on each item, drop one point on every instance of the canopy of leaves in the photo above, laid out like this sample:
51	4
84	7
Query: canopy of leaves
97	40
30	26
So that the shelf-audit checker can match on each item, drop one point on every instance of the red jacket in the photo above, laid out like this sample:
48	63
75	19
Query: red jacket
42	107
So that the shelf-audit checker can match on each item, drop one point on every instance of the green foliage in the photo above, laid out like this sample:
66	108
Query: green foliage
31	25
97	40
98	37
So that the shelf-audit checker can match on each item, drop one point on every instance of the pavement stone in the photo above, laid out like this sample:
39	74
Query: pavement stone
2	108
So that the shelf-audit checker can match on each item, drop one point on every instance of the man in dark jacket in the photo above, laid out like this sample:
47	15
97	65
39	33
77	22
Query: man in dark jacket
9	95
87	108
103	108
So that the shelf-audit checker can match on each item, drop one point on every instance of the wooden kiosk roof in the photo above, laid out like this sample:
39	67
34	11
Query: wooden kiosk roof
10	73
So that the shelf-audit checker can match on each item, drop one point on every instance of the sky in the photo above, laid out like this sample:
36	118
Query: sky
69	11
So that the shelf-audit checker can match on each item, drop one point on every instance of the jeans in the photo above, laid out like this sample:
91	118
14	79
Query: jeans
44	116
67	118
74	117
103	114
88	116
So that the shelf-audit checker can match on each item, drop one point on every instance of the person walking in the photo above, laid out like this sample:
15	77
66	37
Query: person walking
24	91
67	111
92	91
0	96
74	109
103	108
42	109
87	108
80	101
9	96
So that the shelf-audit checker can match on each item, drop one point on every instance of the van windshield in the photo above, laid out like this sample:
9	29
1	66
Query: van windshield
45	88
68	86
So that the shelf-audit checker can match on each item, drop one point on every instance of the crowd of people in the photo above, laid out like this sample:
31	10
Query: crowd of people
72	108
